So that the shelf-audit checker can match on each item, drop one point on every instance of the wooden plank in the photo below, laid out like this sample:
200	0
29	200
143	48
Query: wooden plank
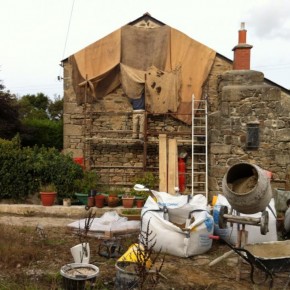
163	162
172	166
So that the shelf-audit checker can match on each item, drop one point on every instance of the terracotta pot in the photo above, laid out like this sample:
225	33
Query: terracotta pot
113	200
47	198
128	202
91	201
140	203
99	200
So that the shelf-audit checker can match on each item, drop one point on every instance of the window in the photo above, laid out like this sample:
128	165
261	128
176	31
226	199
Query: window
253	136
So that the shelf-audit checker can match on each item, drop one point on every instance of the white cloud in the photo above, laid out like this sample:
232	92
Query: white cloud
270	19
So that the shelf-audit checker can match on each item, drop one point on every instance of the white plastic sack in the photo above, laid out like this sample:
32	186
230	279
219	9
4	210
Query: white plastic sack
254	234
169	236
108	222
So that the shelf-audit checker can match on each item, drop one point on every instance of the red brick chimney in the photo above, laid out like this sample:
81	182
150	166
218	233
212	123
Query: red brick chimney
242	51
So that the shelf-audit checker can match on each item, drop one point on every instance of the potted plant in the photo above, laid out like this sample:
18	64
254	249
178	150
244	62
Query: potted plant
47	194
85	186
149	180
139	201
99	200
131	214
128	200
114	195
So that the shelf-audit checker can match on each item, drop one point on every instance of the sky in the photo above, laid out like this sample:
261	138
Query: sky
36	35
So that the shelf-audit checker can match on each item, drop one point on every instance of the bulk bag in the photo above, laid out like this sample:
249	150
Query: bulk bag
180	224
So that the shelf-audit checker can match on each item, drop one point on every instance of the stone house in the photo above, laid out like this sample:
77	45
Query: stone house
239	116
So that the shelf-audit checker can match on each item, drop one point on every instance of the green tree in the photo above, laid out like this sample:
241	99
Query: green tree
34	106
55	108
9	117
42	121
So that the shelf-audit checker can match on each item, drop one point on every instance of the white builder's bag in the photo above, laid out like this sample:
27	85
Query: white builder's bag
181	224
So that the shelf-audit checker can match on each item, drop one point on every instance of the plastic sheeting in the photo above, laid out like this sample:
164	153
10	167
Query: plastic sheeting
109	222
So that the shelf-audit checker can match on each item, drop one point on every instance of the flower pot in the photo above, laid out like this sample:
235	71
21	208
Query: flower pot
66	202
140	203
47	198
131	214
82	198
81	253
75	276
91	201
128	202
99	200
113	200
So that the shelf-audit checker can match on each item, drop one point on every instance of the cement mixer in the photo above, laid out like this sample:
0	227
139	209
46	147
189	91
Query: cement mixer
247	188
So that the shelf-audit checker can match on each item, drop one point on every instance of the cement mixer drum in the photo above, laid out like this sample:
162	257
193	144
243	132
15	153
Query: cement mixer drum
247	188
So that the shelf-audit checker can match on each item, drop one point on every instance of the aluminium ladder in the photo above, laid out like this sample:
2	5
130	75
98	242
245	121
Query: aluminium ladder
199	166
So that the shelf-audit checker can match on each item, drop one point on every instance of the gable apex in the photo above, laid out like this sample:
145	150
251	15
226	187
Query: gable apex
146	20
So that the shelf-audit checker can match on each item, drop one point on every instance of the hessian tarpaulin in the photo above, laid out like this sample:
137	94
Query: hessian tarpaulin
167	63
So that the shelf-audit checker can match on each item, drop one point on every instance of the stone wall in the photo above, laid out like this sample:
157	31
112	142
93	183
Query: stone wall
102	133
245	99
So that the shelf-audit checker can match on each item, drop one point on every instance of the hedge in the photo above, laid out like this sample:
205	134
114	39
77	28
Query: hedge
24	169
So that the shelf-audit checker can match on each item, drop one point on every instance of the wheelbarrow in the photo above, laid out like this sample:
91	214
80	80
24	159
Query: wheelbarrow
269	257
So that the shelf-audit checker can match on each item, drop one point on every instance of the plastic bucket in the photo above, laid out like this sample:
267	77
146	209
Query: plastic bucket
126	278
131	255
82	198
75	275
247	188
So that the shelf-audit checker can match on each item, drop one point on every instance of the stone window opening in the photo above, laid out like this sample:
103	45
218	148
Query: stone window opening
253	136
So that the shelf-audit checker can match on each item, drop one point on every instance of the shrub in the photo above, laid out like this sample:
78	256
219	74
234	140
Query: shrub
23	170
43	132
89	181
17	178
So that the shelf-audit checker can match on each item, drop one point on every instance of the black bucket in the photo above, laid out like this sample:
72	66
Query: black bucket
126	278
78	281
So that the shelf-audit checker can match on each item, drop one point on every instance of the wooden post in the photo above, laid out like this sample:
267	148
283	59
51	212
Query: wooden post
163	162
172	166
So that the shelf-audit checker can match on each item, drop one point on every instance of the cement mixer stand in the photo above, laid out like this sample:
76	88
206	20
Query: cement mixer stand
242	221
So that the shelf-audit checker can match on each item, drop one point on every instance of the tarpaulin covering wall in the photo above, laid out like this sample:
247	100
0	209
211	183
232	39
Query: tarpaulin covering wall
173	66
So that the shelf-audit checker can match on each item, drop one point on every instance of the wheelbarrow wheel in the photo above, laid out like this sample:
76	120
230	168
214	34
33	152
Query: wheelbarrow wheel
260	277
